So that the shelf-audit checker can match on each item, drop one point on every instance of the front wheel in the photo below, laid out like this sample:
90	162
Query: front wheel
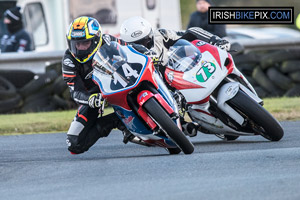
259	119
174	150
167	124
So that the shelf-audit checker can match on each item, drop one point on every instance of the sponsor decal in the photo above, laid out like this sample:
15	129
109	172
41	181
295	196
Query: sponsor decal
93	27
89	75
107	39
68	62
143	95
229	91
128	120
78	34
201	43
136	34
120	114
206	71
170	76
68	142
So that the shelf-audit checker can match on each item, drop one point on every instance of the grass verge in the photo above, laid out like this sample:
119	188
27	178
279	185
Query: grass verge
283	109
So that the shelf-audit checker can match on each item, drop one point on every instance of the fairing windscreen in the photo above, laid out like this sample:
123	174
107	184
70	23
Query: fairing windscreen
117	67
183	56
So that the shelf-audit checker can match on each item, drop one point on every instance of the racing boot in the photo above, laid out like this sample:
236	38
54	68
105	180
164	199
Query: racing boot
128	136
73	145
102	128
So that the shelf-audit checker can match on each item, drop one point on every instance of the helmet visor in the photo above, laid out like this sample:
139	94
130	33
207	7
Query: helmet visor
81	48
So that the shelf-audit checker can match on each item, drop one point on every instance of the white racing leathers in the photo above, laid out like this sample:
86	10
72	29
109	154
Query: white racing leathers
163	39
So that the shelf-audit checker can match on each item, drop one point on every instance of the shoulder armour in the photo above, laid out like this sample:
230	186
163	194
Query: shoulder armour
106	39
164	33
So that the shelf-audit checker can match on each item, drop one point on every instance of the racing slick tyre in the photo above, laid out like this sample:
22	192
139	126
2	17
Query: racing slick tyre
167	124
173	151
260	120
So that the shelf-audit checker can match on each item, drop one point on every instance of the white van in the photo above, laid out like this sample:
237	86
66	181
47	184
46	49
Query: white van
48	20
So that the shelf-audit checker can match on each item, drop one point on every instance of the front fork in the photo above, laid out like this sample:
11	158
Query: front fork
227	92
143	97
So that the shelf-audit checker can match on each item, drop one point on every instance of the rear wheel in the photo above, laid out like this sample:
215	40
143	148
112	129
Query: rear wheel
260	120
168	125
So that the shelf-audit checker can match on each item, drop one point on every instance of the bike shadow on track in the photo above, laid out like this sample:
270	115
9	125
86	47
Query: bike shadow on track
236	142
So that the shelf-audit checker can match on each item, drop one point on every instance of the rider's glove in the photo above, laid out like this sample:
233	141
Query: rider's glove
155	61
95	100
221	43
153	56
150	53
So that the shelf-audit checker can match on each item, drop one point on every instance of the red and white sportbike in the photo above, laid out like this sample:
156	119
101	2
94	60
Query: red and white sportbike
215	94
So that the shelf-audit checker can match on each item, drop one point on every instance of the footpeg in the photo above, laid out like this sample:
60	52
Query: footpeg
127	136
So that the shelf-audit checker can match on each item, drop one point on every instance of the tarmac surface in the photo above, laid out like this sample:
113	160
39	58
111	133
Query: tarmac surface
39	166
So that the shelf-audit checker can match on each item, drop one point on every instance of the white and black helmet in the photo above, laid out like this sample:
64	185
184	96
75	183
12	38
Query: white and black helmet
137	30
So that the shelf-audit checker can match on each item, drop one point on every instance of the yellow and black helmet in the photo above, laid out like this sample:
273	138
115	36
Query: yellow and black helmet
84	38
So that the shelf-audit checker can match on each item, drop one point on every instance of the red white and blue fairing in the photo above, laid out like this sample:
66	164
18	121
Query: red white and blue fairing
125	78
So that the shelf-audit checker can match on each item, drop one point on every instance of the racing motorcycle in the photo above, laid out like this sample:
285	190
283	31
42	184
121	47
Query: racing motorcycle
130	84
215	94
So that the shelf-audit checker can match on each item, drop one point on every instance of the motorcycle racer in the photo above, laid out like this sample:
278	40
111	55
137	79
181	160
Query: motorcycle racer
84	38
137	30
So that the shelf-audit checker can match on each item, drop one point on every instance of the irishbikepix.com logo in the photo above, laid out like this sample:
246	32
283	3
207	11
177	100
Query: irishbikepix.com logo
251	15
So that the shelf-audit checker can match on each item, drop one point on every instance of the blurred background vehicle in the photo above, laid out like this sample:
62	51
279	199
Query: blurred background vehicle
32	81
268	55
47	20
262	33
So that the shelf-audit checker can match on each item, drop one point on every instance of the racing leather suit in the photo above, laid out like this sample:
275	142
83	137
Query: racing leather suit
164	39
87	127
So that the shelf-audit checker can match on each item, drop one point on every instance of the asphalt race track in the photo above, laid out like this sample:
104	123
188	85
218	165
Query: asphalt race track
40	167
